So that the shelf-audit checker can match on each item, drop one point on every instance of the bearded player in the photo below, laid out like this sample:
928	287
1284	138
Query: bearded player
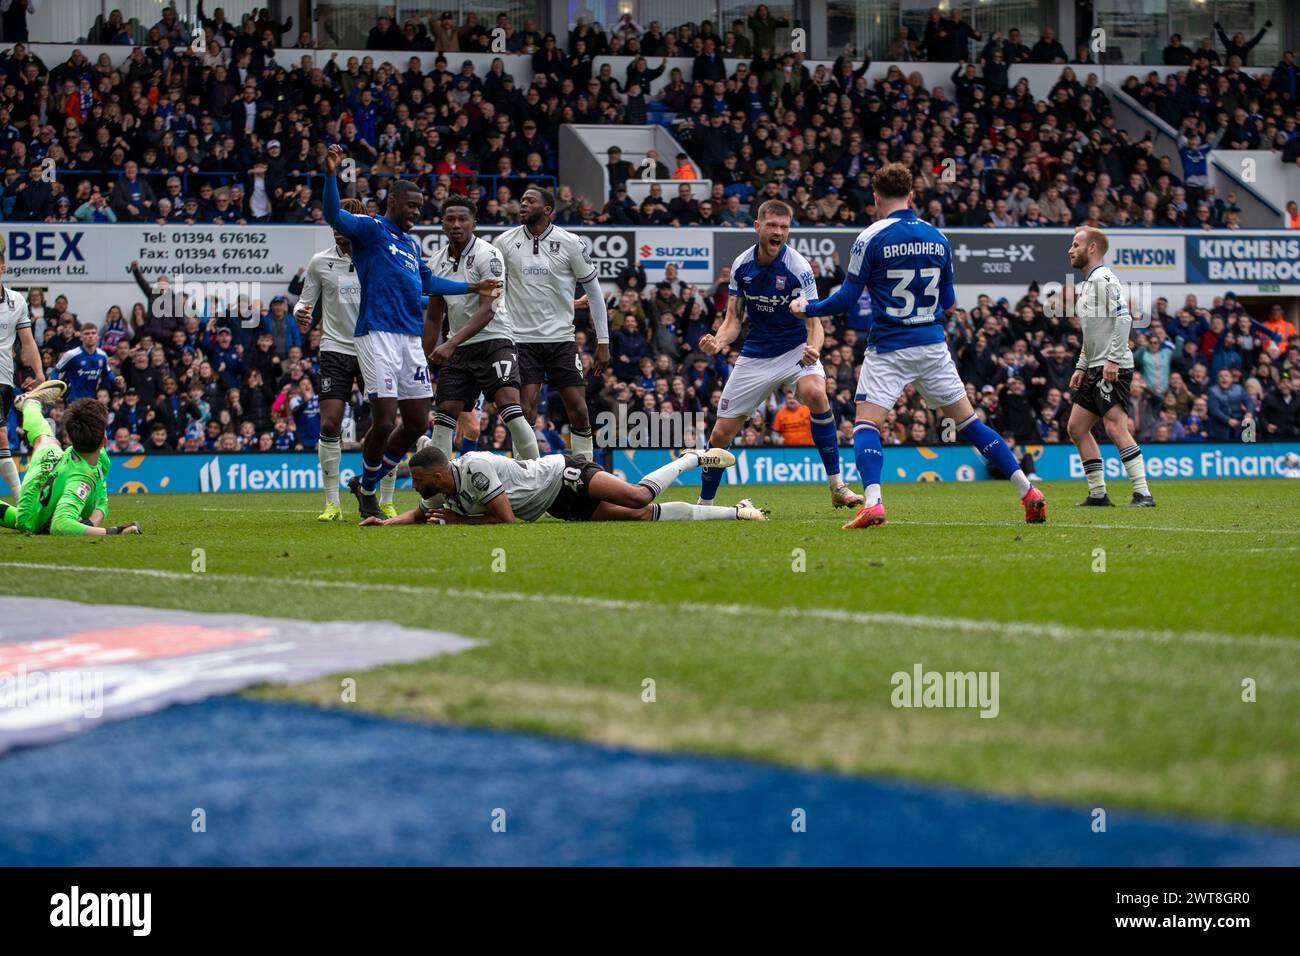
1103	375
780	348
906	265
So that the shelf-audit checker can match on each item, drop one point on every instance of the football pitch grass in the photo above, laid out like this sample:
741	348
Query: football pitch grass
1124	640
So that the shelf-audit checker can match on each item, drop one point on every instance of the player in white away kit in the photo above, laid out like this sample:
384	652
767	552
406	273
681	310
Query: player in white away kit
544	264
332	283
906	265
483	488
1103	374
15	328
478	357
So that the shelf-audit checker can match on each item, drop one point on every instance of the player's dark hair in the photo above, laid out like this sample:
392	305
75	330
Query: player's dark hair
402	186
429	457
547	199
774	207
354	206
86	422
460	202
894	181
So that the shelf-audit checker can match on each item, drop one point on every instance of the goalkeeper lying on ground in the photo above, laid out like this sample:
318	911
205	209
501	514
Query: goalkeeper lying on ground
64	491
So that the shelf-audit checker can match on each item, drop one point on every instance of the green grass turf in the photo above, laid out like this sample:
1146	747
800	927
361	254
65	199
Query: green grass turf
1133	700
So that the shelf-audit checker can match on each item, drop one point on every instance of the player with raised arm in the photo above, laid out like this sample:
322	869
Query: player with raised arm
483	488
15	329
1103	375
544	264
780	348
390	324
331	282
906	265
478	355
65	490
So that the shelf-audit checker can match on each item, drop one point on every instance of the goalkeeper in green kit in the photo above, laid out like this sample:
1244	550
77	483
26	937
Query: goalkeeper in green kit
64	490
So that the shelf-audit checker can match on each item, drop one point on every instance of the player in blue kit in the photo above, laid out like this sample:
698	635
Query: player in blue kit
779	348
390	324
906	266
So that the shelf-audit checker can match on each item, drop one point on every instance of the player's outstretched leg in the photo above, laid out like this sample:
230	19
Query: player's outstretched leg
723	434
995	451
870	457
812	392
623	502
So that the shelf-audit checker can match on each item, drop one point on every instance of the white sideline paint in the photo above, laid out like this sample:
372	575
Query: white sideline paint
1023	629
903	523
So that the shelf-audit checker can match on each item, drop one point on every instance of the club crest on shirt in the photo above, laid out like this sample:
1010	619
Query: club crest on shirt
780	283
469	262
555	245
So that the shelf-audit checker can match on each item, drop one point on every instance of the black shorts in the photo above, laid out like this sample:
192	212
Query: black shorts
6	402
478	367
573	503
557	362
1098	396
337	373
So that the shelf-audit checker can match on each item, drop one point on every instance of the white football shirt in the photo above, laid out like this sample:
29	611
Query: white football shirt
542	276
332	280
480	260
530	486
13	316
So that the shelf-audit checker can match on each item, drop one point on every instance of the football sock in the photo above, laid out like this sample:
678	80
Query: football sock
995	451
827	440
369	475
870	456
661	478
387	485
444	427
468	445
522	437
710	478
34	424
8	516
580	439
682	511
329	451
8	470
1092	469
1136	468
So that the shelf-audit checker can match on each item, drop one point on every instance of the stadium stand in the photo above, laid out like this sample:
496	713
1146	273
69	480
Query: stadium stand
235	133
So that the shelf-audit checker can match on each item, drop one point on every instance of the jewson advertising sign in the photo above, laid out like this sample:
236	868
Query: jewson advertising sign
761	466
1146	258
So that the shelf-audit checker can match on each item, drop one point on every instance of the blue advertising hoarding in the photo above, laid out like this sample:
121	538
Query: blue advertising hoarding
299	471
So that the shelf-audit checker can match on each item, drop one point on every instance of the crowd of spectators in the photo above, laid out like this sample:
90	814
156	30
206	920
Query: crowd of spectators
236	132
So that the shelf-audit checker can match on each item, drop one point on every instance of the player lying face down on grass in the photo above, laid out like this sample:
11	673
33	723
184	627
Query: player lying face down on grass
483	488
65	490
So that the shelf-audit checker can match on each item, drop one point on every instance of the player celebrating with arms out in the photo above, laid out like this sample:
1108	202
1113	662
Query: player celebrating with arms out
1103	374
390	324
65	490
479	353
332	282
780	347
544	264
906	264
483	488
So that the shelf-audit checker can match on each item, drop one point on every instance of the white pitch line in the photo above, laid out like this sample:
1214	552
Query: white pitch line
1050	630
902	523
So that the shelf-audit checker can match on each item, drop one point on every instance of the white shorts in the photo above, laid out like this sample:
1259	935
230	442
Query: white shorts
394	366
754	379
929	367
